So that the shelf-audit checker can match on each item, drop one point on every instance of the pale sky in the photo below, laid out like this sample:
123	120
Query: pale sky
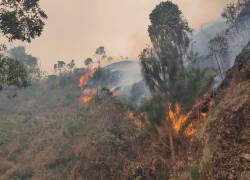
76	28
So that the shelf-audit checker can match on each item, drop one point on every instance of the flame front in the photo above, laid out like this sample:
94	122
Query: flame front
86	77
87	93
178	119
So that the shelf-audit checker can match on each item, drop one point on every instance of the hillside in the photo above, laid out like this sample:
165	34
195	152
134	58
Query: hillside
102	140
181	111
228	124
220	150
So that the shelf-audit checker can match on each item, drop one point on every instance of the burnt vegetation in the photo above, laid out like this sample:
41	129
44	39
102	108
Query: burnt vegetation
177	121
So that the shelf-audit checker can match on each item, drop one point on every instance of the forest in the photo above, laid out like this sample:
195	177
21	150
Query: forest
180	111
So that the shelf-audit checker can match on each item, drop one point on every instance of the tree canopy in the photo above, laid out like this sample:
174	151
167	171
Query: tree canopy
19	20
30	62
88	62
162	64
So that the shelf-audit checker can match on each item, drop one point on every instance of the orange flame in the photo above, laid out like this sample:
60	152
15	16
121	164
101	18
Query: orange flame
85	78
86	99
178	119
87	94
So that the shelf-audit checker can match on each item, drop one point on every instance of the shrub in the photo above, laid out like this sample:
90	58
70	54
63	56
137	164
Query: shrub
195	175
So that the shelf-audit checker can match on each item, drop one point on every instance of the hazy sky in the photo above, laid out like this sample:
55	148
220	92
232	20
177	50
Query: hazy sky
76	28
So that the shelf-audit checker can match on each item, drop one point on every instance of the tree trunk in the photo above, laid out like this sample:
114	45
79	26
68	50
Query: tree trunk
171	141
168	131
169	128
219	66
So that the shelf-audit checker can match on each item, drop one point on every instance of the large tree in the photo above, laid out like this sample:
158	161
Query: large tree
12	73
19	20
101	53
162	65
30	62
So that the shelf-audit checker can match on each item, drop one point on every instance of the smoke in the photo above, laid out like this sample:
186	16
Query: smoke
75	29
237	39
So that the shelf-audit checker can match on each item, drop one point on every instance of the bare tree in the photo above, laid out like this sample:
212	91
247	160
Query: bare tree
219	49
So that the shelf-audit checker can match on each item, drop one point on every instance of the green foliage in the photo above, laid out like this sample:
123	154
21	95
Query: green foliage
88	62
192	87
21	20
64	81
168	24
3	136
155	110
100	50
195	175
30	62
76	125
12	73
162	65
109	137
165	13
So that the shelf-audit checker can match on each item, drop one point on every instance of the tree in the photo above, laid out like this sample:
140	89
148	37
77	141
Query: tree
30	62
219	49
60	66
101	53
230	13
19	20
88	62
71	65
233	11
12	73
162	65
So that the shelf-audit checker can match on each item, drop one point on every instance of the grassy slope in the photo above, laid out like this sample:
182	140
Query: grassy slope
46	133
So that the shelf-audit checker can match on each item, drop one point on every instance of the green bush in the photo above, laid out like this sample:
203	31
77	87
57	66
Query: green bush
64	81
3	136
195	175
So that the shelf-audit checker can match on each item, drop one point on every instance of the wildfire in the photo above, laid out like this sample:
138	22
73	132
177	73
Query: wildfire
188	123
86	77
87	94
178	119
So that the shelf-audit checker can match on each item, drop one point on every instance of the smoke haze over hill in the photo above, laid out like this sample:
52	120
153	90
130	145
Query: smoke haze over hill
120	26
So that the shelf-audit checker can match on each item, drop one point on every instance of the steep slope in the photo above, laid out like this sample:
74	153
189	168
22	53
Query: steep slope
228	124
220	150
